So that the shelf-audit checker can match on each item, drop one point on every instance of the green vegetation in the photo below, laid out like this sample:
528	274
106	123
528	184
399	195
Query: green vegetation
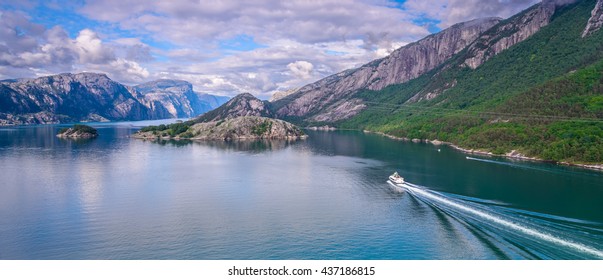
180	129
262	128
542	97
81	128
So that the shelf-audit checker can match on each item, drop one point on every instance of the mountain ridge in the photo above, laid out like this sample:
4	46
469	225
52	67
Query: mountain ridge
540	98
332	99
87	96
403	64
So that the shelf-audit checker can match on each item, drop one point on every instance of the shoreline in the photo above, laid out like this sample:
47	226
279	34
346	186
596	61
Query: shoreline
201	139
511	155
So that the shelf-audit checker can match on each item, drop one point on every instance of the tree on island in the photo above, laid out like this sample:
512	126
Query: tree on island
78	131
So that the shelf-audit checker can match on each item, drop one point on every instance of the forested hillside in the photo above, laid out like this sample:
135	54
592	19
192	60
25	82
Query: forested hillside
542	97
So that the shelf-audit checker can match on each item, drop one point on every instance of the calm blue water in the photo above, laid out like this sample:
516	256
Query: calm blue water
323	198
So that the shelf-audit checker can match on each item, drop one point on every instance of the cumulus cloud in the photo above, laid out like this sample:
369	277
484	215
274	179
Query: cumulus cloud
301	69
27	45
91	49
303	21
449	12
28	49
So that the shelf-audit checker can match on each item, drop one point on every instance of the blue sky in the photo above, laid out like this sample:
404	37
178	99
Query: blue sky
222	47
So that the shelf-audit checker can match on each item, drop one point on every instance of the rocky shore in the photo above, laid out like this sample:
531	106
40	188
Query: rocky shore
512	154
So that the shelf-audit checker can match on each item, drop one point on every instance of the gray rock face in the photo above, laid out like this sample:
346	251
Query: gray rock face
69	97
281	94
595	21
241	105
402	65
511	31
249	127
95	97
176	99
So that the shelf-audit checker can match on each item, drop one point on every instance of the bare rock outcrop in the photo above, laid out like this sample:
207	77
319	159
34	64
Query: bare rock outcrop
595	21
281	94
512	31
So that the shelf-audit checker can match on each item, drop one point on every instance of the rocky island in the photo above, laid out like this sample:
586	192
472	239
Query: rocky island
240	128
78	131
242	118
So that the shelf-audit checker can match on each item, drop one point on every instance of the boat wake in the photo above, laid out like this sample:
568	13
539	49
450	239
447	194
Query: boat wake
526	166
541	236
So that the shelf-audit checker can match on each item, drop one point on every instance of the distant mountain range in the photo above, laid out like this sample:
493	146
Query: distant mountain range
95	97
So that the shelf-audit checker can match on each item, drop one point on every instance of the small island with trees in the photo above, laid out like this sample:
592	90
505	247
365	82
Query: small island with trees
78	131
244	117
240	128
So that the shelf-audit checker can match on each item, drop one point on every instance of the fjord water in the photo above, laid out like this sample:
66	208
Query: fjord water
323	198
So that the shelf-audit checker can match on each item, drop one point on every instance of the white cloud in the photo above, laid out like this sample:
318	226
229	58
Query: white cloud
449	12
91	49
28	49
181	21
128	71
292	42
301	69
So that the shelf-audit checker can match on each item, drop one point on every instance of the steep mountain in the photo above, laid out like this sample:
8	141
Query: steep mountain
177	98
541	97
468	44
67	98
510	32
95	97
241	105
329	98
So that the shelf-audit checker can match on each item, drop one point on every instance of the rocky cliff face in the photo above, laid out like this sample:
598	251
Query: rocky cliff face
281	94
241	105
330	100
176	99
404	64
95	97
69	97
595	21
511	32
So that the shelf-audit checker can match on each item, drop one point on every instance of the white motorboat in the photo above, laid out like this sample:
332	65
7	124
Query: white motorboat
397	181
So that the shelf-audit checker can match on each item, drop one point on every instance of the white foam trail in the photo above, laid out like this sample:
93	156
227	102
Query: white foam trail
500	221
491	161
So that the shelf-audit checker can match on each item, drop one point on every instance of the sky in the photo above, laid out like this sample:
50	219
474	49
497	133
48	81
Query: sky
222	47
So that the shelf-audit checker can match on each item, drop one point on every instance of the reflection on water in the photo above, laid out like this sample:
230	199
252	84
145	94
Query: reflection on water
325	197
251	146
